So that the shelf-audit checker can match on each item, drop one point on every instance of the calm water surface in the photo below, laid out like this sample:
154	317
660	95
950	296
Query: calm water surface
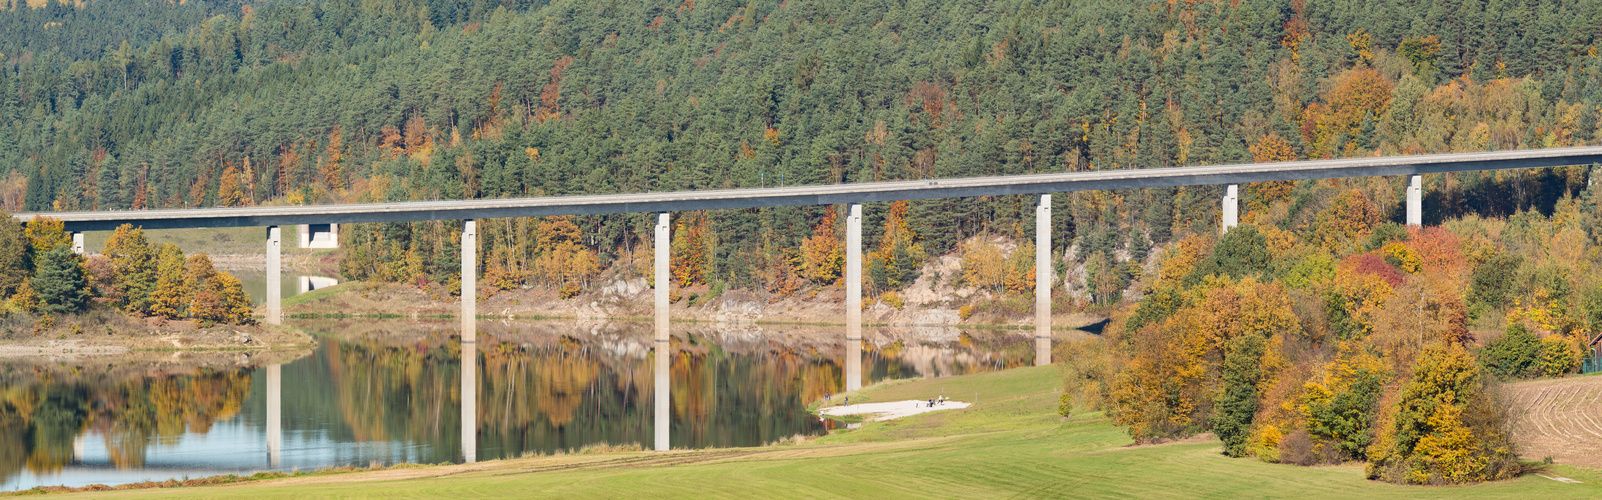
390	391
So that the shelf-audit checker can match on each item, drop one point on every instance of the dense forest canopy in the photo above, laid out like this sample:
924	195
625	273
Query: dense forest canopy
226	103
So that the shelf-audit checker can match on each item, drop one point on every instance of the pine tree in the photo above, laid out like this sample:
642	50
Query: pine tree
60	282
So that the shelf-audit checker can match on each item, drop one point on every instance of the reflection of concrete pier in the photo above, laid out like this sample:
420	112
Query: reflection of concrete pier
469	402
309	283
275	421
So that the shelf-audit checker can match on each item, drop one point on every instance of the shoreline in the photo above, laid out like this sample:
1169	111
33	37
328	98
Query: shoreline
632	300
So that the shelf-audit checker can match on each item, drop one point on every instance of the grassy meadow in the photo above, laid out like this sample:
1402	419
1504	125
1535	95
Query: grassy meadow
1011	444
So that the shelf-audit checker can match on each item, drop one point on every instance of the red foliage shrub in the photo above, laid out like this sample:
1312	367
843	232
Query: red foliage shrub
1369	263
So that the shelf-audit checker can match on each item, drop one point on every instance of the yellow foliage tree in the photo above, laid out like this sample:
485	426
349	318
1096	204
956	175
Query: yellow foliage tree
822	255
983	265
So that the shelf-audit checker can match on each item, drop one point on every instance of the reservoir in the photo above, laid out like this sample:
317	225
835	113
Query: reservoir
382	392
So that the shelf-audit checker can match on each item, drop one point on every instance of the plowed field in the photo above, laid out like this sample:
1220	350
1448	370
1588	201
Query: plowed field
1560	418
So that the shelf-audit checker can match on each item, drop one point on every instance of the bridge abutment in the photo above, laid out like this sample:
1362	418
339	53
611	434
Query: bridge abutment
77	243
662	345
1043	275
275	292
1415	200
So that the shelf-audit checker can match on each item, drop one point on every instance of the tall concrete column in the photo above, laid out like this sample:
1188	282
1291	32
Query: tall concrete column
853	305
469	402
275	414
1415	200
469	280
661	346
275	291
1231	209
77	243
1043	276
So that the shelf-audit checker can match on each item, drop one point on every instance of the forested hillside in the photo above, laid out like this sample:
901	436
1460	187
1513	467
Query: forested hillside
1319	331
307	102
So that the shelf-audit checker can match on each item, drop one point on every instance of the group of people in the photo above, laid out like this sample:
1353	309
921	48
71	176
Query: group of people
937	401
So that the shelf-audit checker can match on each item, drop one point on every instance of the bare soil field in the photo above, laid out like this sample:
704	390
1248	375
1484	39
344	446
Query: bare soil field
1560	418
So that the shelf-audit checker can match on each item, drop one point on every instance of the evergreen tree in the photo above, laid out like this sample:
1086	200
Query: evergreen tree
60	282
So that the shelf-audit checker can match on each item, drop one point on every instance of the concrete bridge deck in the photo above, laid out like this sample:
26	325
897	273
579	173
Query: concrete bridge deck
823	194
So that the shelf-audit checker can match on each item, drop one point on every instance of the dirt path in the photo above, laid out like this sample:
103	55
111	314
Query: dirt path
1559	418
891	410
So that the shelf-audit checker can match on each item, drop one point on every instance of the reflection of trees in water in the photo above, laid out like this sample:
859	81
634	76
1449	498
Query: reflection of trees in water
44	410
543	387
398	391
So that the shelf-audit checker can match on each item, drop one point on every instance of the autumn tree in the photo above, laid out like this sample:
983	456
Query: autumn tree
168	299
133	264
983	264
1446	427
822	255
1349	217
896	262
202	301
689	247
46	233
1342	407
15	266
1269	148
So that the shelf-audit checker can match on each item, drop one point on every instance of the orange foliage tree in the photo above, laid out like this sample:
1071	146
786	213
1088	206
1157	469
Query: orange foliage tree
823	255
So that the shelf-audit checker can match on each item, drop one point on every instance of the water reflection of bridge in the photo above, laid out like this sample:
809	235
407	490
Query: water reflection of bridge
892	353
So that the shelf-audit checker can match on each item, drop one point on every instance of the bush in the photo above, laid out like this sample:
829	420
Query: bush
568	290
892	299
1297	448
1512	355
1446	428
1557	356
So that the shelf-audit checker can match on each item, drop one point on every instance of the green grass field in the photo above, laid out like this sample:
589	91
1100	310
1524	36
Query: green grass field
211	241
1010	444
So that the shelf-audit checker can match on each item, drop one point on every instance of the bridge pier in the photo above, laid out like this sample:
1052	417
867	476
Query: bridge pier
662	345
469	401
853	305
1415	200
469	280
1231	209
1043	275
275	292
275	414
77	243
319	235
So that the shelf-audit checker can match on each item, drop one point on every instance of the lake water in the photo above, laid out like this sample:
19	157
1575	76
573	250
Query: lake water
389	392
291	283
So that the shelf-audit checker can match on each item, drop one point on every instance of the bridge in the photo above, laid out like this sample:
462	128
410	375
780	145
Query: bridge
663	203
